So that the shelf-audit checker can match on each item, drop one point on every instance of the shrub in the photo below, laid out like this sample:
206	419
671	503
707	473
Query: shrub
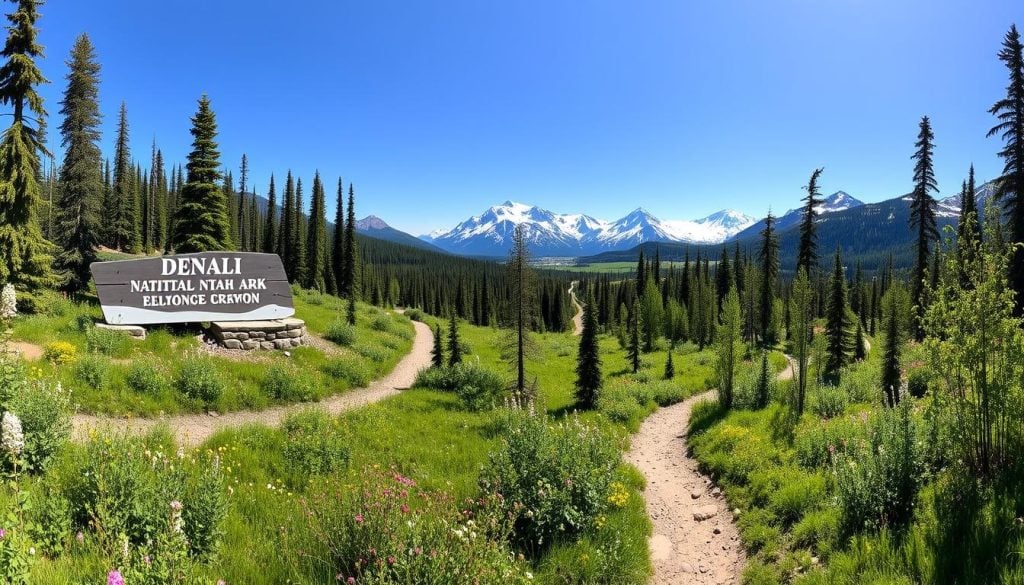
554	480
877	480
818	442
288	384
386	530
60	353
624	402
198	379
917	382
414	315
341	333
381	323
107	342
351	369
146	378
45	411
831	401
50	518
92	370
478	387
372	352
314	444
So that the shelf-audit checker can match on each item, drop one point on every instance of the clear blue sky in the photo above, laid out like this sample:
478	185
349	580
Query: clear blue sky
436	110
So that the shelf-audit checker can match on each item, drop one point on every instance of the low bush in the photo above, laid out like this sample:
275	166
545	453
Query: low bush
554	479
415	315
145	377
478	387
107	342
45	411
917	382
288	385
60	353
371	351
341	333
386	530
830	401
198	379
351	369
818	442
92	370
314	444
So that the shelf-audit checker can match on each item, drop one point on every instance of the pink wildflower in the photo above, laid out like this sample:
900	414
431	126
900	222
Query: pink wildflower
114	578
359	519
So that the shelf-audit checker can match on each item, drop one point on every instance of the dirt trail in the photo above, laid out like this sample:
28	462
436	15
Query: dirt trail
684	549
577	319
193	429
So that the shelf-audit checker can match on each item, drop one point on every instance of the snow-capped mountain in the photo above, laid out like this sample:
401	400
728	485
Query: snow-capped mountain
574	234
838	201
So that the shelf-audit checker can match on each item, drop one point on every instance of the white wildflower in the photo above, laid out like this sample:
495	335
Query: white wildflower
8	302
12	439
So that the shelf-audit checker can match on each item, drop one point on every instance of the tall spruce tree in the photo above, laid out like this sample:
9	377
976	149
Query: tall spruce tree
81	183
454	344
588	359
967	230
125	232
242	210
288	226
633	346
201	219
299	250
807	252
922	218
269	245
1009	111
158	180
316	243
768	255
837	321
802	316
891	355
521	282
338	241
25	254
350	285
437	353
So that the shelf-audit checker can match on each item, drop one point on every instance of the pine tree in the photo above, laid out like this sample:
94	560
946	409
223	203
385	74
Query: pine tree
437	353
670	368
763	385
837	322
769	257
922	217
298	244
633	348
288	227
641	273
891	357
802	314
860	350
350	310
81	183
807	253
242	211
269	245
350	284
158	189
726	337
201	218
338	242
454	345
968	228
522	295
124	233
588	360
1009	112
316	246
25	255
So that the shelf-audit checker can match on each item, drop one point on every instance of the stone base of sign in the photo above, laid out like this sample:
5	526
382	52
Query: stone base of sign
134	331
250	335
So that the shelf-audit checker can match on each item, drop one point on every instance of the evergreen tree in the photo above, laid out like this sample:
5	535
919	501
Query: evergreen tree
802	315
769	257
763	385
727	336
1009	112
338	242
437	353
522	285
25	255
350	310
588	360
967	229
299	233
670	368
837	322
922	217
891	357
653	314
454	345
860	351
241	237
81	183
633	348
158	190
288	233
316	246
269	245
201	218
641	273
349	285
807	253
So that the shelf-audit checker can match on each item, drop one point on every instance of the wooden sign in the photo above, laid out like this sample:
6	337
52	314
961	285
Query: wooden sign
186	288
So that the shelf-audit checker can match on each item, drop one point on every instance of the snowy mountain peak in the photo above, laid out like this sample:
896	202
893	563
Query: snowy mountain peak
838	201
728	219
371	222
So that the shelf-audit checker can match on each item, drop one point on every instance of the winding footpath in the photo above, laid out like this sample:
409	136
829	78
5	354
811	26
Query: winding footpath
695	539
193	429
577	319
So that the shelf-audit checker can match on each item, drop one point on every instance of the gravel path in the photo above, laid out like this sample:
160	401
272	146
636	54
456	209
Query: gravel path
694	539
577	319
193	429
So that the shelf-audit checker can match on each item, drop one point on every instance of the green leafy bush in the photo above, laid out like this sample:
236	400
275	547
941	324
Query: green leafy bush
341	333
314	444
917	382
45	411
146	378
371	351
831	401
818	442
92	370
288	384
107	342
478	387
198	379
415	315
554	479
351	369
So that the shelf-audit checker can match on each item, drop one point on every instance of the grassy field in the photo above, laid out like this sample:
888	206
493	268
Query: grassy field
108	373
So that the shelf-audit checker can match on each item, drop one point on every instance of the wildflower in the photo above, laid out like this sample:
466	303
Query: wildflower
351	581
405	508
359	519
176	521
8	302
3	533
114	578
392	560
11	436
221	582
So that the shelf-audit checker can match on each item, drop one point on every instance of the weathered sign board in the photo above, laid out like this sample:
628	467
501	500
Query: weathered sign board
186	288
